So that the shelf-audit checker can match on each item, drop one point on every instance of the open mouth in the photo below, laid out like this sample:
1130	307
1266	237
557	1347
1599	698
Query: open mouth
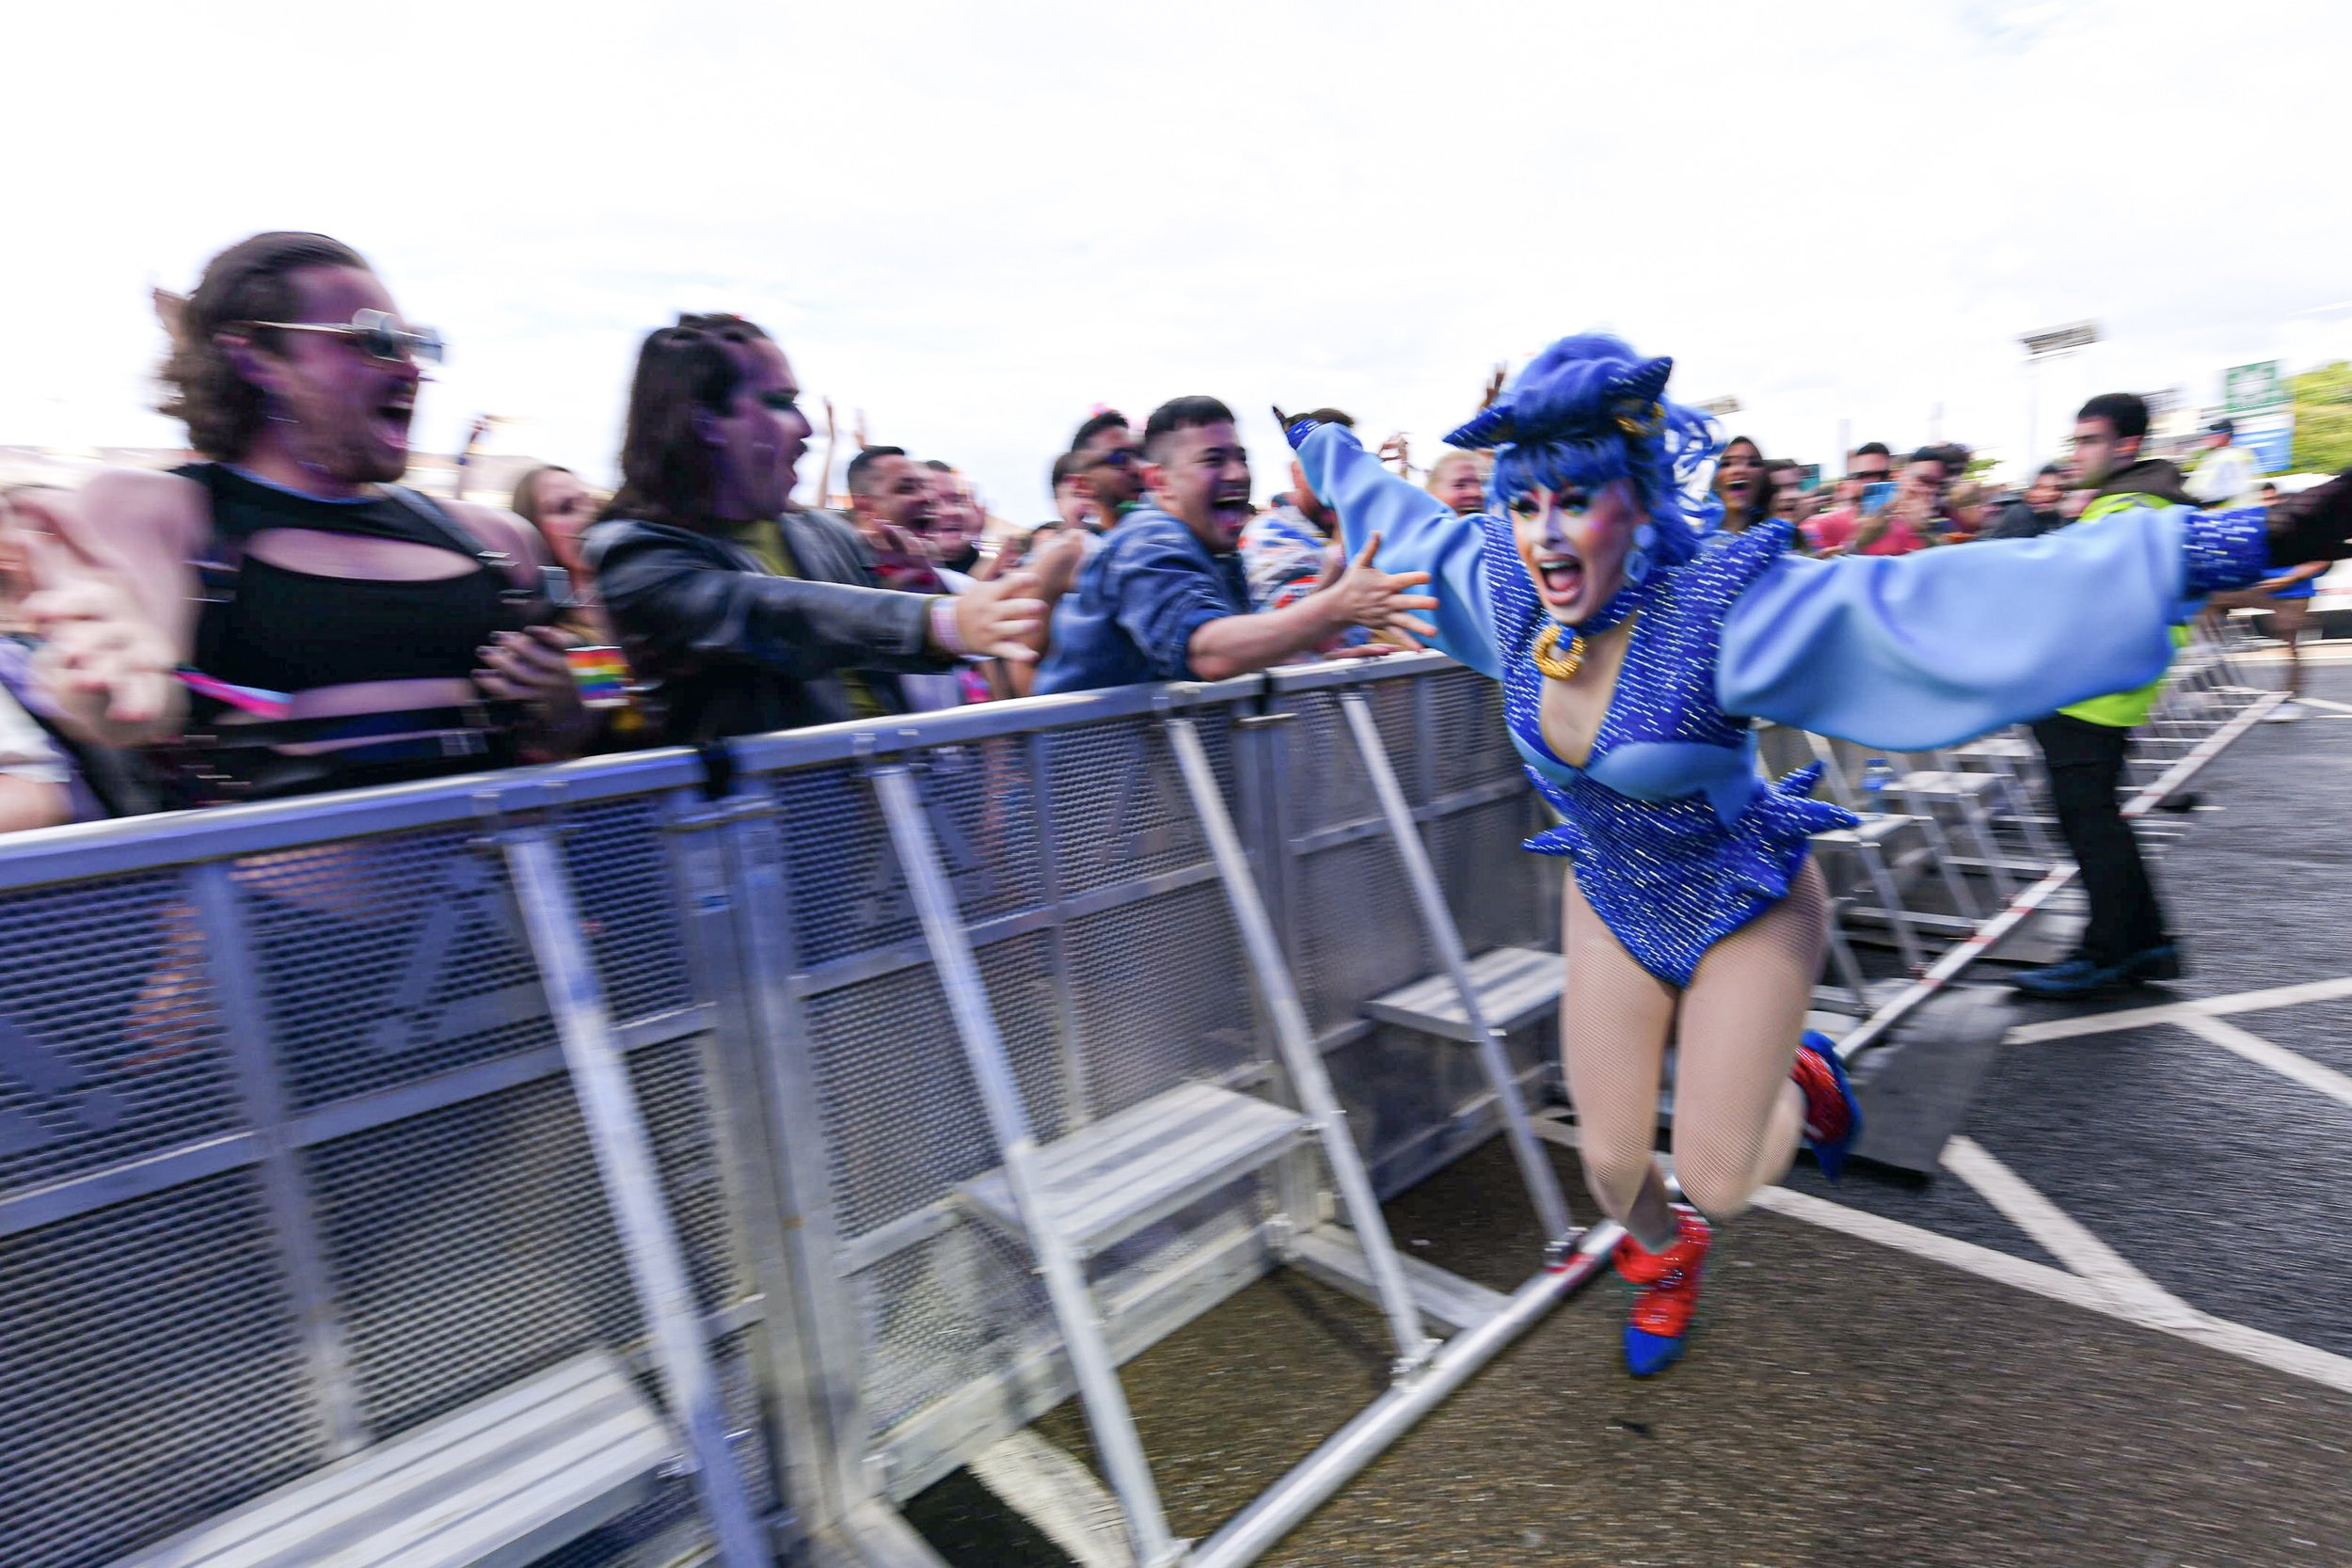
389	422
1561	578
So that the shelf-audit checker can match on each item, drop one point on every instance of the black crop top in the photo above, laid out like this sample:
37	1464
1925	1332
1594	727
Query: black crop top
282	630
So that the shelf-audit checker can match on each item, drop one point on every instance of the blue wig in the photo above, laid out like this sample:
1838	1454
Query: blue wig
1589	411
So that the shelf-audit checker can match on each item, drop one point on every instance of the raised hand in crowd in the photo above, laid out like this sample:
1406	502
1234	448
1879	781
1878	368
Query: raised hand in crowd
1494	385
1397	451
1364	596
1003	619
103	660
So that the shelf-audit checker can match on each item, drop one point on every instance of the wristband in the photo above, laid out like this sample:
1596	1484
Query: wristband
944	629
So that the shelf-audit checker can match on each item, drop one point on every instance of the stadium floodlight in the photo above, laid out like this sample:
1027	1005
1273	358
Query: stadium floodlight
2060	340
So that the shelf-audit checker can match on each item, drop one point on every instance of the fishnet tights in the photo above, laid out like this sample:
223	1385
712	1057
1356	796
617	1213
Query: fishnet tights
1737	1114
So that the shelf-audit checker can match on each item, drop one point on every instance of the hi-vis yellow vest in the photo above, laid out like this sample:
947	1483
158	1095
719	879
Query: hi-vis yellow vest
2123	710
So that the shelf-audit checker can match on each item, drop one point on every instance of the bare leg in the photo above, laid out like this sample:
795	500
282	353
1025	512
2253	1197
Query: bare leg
1738	1116
1614	1017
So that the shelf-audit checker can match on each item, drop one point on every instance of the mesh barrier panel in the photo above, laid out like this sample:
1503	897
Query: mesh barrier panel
388	960
1161	995
943	1312
1464	737
1353	927
1119	808
109	1047
472	1246
615	858
151	1374
1494	888
902	1118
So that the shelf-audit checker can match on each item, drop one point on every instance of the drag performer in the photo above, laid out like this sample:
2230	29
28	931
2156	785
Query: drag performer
1633	648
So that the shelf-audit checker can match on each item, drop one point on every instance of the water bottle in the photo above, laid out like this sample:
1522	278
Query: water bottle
1877	774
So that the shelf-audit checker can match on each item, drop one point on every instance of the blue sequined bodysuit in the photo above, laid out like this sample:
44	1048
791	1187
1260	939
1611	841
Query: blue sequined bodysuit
1672	784
1677	837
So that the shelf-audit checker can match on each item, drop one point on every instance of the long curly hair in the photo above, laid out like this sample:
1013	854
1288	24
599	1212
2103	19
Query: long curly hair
1589	411
252	280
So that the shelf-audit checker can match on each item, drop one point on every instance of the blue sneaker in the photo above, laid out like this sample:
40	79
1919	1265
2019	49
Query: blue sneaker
2075	976
1833	1116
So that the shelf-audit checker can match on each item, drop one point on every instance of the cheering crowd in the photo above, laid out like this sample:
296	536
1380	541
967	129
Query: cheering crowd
281	615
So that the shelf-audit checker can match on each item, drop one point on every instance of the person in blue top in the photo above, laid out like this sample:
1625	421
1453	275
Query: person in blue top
1166	596
1633	650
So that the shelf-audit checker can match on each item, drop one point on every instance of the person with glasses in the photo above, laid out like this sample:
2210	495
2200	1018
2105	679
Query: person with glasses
1111	466
303	621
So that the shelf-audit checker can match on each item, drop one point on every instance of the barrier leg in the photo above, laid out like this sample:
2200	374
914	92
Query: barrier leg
1296	1044
1543	1182
624	1153
1107	1415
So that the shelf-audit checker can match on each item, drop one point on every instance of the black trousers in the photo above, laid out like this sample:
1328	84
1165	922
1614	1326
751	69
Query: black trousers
2086	762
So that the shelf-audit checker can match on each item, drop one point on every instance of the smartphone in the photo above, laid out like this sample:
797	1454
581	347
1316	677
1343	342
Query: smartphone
1874	497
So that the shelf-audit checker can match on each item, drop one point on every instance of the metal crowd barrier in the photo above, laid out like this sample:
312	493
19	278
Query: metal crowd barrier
625	1161
335	1132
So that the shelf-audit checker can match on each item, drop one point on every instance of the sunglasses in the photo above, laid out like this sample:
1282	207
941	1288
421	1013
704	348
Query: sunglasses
378	335
1869	476
1118	458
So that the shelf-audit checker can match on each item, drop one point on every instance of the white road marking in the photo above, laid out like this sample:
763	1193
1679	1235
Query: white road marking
2131	1293
2178	1012
2278	1058
1060	1497
2247	1345
2322	702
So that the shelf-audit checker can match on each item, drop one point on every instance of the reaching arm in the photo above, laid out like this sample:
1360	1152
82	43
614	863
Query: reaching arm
1240	644
1420	533
1923	650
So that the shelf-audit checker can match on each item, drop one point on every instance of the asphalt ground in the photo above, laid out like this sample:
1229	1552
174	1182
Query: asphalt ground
2115	1329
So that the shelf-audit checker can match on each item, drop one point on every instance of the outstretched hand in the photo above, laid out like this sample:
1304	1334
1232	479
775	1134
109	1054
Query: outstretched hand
1003	619
1364	596
98	653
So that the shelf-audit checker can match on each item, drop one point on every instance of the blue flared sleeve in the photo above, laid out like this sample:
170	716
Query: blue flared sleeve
1924	650
1418	533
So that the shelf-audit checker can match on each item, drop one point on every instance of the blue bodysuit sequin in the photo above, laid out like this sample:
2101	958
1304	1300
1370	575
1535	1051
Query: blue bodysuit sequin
1677	837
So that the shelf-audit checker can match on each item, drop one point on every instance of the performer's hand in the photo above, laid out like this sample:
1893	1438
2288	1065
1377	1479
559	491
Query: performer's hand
1367	596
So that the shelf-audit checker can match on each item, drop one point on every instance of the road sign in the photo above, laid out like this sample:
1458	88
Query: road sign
2253	388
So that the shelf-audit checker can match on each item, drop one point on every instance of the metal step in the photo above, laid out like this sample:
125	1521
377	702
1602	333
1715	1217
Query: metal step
497	1484
1105	1183
1331	1256
1516	986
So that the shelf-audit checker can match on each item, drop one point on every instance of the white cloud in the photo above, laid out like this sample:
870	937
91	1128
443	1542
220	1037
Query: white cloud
977	221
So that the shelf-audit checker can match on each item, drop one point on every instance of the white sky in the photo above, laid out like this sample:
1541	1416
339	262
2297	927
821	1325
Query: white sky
976	221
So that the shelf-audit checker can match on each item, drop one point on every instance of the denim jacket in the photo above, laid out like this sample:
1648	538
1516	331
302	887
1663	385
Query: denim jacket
1137	603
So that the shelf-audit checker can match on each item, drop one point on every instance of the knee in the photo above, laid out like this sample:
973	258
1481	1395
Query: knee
1717	1195
1615	1171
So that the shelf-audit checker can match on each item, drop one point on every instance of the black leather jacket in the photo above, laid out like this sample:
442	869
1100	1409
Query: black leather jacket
735	649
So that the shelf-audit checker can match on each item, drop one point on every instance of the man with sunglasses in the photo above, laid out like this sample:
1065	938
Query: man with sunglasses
1109	465
286	618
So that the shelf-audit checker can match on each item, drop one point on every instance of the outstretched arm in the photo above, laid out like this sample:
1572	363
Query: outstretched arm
1923	650
1420	533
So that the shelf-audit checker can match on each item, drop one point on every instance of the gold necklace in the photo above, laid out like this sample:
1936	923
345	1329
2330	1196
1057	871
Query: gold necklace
1550	661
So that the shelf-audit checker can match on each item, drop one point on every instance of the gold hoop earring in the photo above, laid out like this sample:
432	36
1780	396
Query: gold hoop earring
1550	661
